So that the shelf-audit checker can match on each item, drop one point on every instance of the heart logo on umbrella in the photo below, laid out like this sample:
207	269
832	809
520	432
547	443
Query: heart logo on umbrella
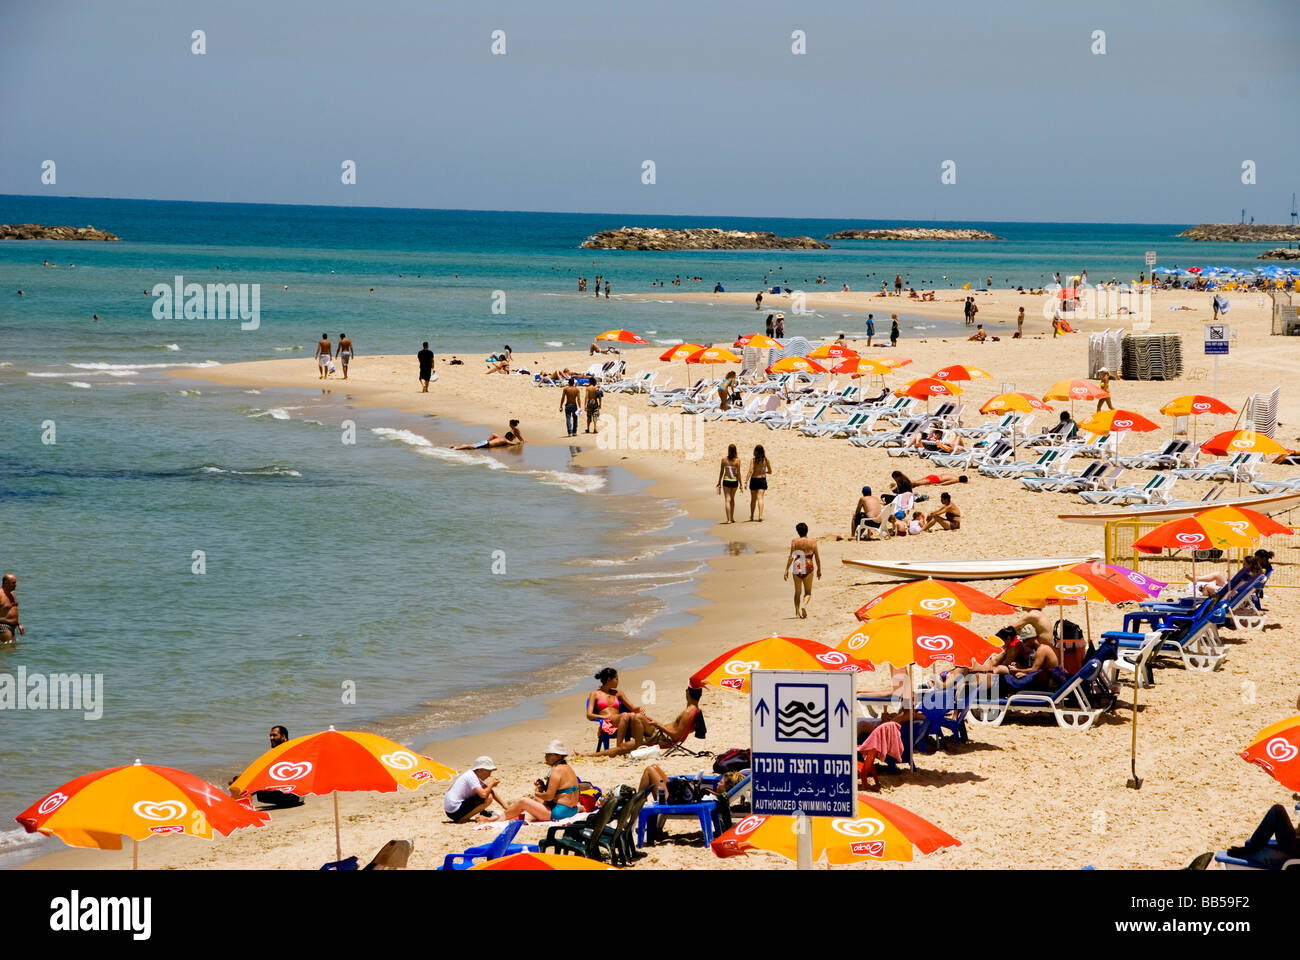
163	810
52	803
1280	750
400	760
748	825
741	666
833	657
286	770
1072	589
935	642
1241	526
1189	538
937	603
865	827
858	642
1121	423
1201	406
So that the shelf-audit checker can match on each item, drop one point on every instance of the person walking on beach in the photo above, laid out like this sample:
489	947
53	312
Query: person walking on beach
11	628
898	284
893	330
1103	380
729	481
780	326
569	404
802	560
1020	325
771	327
324	350
871	328
591	397
425	359
344	353
760	468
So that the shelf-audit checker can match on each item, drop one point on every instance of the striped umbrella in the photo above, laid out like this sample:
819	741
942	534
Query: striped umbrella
1276	750
959	371
1243	441
731	670
796	365
1195	405
944	599
622	336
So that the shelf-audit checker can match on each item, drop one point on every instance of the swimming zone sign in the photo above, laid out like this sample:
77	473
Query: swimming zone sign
1216	338
803	737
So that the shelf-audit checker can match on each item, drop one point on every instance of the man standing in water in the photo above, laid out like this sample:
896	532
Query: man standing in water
10	626
425	359
803	557
569	404
324	349
344	353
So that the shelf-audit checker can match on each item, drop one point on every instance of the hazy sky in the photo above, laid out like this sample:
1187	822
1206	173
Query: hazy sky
1039	127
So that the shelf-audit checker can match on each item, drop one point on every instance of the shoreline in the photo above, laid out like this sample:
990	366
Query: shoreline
1186	719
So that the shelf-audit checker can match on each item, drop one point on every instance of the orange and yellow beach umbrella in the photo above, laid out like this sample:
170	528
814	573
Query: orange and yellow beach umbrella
881	831
1243	441
926	387
1276	751
1194	533
1074	390
1115	421
945	599
713	355
335	760
731	670
541	861
796	365
1252	523
832	351
1195	405
1014	402
759	340
138	801
902	639
893	362
622	336
680	352
857	366
1066	587
958	371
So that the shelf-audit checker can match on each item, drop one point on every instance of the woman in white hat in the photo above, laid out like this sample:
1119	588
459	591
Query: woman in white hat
556	797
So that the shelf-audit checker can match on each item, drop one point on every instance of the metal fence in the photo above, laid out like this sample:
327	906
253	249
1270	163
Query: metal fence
1176	568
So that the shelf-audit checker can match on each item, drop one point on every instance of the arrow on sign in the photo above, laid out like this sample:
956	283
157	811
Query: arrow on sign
762	711
842	712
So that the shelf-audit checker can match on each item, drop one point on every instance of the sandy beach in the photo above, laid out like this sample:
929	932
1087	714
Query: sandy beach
994	794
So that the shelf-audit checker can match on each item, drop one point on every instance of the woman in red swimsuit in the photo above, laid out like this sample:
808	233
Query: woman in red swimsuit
619	717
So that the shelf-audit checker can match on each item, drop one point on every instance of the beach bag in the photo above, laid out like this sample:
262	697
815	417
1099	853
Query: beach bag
682	791
732	761
589	796
1069	637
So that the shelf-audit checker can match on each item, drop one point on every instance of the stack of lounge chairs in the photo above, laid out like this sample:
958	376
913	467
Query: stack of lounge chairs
1153	356
1105	352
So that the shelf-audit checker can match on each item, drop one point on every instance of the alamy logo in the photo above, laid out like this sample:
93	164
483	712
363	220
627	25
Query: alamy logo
75	913
53	691
212	301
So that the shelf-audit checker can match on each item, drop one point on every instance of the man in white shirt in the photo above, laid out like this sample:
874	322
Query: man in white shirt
472	793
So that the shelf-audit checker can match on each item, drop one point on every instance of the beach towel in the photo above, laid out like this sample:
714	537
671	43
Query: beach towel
886	740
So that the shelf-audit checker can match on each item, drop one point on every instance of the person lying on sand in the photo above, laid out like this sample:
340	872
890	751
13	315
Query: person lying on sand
556	797
644	731
596	348
940	479
509	440
499	366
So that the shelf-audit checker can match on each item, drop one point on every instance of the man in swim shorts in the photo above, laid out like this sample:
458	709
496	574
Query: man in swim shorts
591	397
344	353
947	516
425	359
323	351
801	560
867	512
10	626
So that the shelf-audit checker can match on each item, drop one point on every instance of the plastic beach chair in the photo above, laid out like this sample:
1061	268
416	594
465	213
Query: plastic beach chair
500	846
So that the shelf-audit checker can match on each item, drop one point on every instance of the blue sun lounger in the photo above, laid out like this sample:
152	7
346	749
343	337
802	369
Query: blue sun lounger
1070	703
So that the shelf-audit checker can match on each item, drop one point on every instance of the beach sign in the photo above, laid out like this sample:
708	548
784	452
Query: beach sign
1216	338
1151	258
804	743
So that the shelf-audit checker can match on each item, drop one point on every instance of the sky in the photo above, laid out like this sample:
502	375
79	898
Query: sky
1036	124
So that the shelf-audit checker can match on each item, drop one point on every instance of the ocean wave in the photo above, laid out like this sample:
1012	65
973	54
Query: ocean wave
652	332
189	393
462	456
79	383
271	470
43	374
16	839
286	349
107	367
646	554
256	393
553	343
170	346
651	575
404	436
275	413
669	343
577	482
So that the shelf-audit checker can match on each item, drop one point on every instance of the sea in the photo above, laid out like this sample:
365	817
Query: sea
222	562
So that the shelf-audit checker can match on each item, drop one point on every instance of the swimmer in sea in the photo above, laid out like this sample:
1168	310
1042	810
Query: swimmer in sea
509	440
10	626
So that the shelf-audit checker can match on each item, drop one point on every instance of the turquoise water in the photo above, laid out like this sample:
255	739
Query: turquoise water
367	566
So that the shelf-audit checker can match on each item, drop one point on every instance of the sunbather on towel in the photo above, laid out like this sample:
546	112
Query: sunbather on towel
1275	825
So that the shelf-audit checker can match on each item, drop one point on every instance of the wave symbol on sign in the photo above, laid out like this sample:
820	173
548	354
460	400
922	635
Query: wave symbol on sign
800	718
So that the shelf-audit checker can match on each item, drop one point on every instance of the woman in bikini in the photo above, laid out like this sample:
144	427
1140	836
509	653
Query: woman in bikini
729	481
653	733
619	717
759	470
556	797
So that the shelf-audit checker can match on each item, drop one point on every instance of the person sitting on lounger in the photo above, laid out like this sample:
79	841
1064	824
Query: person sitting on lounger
1032	622
556	797
948	516
867	514
611	707
1276	825
1044	671
645	731
509	440
1011	656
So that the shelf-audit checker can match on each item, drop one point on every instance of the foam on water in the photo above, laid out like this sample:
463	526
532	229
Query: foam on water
275	413
577	482
98	365
79	383
462	456
553	343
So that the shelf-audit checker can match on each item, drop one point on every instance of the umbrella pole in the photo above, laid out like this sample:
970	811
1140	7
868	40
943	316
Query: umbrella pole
803	831
135	854
1135	782
911	717
338	842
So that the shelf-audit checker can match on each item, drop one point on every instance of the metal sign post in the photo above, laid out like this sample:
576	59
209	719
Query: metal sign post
1216	345
803	735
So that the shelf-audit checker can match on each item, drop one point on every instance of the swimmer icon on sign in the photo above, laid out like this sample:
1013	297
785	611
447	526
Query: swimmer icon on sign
802	714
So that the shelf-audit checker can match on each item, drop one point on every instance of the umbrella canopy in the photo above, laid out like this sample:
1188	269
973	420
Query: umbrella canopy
1074	390
945	599
893	362
680	352
541	861
961	372
1193	405
1191	533
713	355
1243	441
1019	402
622	336
1276	750
922	639
1252	523
139	801
796	365
1064	586
759	340
882	831
732	669
832	351
1114	421
860	365
1147	587
926	387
